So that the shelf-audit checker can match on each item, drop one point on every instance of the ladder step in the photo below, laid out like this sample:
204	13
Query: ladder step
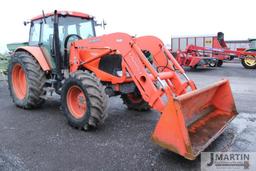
51	81
49	89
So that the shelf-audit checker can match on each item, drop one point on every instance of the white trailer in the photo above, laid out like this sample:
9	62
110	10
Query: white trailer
211	41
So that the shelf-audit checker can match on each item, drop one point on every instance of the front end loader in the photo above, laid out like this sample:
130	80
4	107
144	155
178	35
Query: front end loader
86	69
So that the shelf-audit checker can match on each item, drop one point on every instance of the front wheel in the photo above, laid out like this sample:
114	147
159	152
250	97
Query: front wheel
84	100
212	63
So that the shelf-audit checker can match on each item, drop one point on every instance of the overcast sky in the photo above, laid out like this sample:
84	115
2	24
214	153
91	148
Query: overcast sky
162	18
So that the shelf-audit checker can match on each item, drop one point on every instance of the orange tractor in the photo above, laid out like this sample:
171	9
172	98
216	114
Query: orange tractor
64	56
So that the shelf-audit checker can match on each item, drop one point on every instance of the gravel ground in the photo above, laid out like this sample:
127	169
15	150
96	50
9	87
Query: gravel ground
41	139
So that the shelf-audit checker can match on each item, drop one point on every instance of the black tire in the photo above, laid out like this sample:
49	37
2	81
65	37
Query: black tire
245	65
96	100
35	79
193	68
139	104
219	63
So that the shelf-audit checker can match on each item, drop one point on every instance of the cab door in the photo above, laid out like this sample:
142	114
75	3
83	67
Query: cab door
41	35
46	40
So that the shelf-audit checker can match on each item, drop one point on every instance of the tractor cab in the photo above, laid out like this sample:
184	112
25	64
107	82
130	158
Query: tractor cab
70	26
252	44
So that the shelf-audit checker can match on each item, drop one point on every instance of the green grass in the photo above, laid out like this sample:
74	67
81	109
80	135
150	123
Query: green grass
3	63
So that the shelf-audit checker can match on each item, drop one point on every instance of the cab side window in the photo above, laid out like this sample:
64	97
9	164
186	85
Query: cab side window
34	33
47	34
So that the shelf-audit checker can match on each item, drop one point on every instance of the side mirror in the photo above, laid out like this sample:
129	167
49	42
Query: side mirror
102	24
26	23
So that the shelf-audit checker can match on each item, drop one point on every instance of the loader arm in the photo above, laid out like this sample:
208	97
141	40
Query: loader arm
142	72
190	120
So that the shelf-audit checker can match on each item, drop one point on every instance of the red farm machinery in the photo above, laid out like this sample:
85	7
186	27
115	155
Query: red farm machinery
180	48
195	56
209	51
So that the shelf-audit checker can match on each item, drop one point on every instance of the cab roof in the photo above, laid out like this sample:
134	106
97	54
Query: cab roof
64	13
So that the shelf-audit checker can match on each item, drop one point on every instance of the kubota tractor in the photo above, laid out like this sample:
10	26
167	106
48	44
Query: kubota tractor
64	55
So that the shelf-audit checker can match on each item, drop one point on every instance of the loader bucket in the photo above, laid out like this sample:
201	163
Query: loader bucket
190	122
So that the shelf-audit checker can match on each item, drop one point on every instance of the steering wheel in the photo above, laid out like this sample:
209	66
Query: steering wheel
89	36
68	37
66	46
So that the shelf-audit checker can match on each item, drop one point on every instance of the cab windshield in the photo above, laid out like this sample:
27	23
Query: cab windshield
75	25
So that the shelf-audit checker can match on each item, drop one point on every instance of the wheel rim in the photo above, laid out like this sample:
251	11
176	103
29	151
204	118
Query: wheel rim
249	61
134	99
212	64
76	102
19	81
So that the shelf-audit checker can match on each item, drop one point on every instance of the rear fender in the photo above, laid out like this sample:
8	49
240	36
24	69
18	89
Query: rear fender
37	53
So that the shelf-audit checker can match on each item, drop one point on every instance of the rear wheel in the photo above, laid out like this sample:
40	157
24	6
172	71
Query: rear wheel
26	80
248	62
219	63
134	101
84	100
